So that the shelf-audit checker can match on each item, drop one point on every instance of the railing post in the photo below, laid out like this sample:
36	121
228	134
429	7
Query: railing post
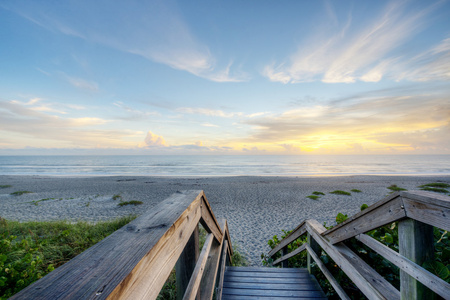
285	263
186	263
416	242
316	248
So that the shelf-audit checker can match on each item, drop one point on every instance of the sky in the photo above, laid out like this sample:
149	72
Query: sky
205	77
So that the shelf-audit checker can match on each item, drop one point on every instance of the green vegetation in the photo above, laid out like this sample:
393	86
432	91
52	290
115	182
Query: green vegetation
5	186
132	202
437	190
388	235
314	197
339	192
395	188
30	250
436	185
318	193
355	191
117	197
36	202
19	193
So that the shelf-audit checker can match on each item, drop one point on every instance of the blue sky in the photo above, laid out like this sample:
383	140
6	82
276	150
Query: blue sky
225	77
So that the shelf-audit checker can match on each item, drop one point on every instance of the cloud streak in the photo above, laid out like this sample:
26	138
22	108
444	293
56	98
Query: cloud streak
344	54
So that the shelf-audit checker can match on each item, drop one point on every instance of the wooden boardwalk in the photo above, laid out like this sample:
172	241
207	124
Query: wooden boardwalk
270	283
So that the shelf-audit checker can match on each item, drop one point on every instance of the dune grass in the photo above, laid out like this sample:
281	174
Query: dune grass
132	202
339	192
20	193
30	250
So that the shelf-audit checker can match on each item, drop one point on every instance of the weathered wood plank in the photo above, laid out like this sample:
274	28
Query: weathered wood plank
372	284
238	297
300	280
267	275
311	286
416	242
327	274
123	264
427	197
289	255
368	219
436	284
212	265
186	264
267	270
270	293
194	283
223	264
295	234
284	263
428	213
314	246
209	221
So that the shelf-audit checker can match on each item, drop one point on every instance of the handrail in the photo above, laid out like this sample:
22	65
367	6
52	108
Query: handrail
135	261
417	213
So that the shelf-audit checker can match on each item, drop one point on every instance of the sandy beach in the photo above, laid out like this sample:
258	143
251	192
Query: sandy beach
256	207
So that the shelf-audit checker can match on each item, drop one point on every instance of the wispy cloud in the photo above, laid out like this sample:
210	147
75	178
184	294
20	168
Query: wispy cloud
157	32
81	83
207	112
346	54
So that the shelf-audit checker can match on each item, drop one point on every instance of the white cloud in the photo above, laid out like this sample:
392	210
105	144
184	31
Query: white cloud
82	83
347	54
152	140
206	112
209	125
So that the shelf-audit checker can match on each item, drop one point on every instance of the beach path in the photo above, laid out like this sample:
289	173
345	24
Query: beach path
276	283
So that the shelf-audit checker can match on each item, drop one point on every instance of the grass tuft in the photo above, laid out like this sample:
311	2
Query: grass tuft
318	193
5	186
339	192
19	193
314	197
436	185
132	202
356	191
117	197
395	188
437	190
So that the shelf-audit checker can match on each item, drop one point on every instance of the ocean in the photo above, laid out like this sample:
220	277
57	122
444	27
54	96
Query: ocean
182	166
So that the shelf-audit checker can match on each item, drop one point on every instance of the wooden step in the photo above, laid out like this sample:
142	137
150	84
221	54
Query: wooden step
270	283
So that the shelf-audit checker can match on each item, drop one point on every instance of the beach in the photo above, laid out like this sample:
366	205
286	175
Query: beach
256	207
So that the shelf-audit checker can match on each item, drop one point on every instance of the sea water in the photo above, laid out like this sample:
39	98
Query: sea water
191	165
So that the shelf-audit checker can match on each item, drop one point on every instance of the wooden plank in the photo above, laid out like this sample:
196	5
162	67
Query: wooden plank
223	263
314	246
238	297
269	293
133	262
311	286
427	197
209	277
295	234
300	280
284	263
268	270
186	264
194	283
230	246
433	282
371	284
209	221
267	275
339	290
293	253
367	220
416	242
428	213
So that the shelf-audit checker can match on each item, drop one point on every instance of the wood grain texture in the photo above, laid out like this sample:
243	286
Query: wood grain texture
383	214
416	242
223	264
314	246
428	213
194	283
327	274
289	255
372	284
123	264
209	221
186	264
295	234
209	277
436	284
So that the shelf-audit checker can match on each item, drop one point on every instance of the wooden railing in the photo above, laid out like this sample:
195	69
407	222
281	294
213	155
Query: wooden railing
135	261
417	213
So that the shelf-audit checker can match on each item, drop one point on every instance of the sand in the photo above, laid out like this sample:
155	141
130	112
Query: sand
256	208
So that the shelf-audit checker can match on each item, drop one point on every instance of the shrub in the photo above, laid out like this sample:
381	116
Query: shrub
318	193
432	189
19	193
132	202
313	197
436	185
339	192
395	188
355	191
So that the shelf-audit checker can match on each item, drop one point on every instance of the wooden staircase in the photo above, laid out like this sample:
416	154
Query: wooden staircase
270	283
